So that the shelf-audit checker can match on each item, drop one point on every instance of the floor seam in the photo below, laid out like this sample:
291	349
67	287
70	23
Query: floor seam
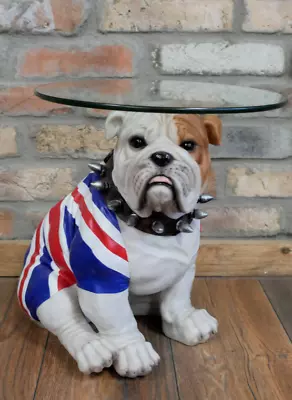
275	311
41	367
174	369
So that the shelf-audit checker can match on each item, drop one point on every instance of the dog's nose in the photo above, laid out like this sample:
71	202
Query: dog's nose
161	158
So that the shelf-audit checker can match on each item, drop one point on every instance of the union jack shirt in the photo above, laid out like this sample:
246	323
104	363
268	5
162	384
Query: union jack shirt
78	242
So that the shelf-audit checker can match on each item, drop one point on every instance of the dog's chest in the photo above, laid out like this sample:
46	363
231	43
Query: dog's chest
156	263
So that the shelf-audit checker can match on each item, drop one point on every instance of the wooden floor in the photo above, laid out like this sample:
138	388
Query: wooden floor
250	358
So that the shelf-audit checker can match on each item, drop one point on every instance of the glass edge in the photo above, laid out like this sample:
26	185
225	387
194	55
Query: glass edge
162	109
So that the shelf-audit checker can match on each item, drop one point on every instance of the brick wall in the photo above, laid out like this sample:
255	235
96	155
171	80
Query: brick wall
45	147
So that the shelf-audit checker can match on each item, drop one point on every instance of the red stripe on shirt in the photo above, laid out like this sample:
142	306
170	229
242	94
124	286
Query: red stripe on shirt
66	277
90	221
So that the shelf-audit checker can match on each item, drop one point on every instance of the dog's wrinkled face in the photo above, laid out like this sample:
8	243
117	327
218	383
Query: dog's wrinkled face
162	161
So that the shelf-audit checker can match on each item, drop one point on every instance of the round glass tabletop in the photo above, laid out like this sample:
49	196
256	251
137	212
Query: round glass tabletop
163	96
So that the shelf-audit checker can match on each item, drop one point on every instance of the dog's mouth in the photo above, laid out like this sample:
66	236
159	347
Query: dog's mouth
159	180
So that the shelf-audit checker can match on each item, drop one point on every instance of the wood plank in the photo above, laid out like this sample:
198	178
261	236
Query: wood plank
22	346
216	257
245	258
7	289
67	383
11	256
279	292
250	358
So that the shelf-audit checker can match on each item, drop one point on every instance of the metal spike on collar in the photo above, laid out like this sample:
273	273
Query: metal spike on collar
98	168
205	198
99	185
132	220
158	227
183	226
199	214
114	205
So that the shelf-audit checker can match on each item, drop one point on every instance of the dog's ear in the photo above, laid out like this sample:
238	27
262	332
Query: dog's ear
114	123
213	127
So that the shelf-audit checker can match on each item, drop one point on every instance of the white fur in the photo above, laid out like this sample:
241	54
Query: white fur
162	269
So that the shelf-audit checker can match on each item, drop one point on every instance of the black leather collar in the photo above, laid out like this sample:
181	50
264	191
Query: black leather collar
157	223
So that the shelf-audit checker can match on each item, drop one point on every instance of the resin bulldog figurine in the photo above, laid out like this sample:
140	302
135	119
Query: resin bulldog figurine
124	240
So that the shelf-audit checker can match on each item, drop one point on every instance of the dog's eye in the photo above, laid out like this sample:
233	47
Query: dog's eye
188	145
138	142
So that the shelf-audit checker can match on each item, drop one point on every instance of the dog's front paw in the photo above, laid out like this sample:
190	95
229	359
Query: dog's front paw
196	327
93	357
136	359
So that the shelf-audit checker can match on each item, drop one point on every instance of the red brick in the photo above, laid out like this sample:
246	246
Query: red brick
6	223
22	101
69	14
115	87
96	113
110	87
100	60
47	16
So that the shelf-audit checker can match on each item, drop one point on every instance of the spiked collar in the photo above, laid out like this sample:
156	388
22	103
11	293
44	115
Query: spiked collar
157	223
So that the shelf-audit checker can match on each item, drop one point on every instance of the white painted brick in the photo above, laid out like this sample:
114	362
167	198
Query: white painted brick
268	16
241	221
264	141
76	141
165	15
8	145
223	58
27	184
202	94
260	181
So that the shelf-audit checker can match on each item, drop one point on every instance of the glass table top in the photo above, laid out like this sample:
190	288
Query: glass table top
163	96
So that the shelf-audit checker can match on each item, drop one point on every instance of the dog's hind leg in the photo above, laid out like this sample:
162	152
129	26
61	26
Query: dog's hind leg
62	316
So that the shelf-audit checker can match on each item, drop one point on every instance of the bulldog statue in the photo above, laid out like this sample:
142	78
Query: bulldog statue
125	241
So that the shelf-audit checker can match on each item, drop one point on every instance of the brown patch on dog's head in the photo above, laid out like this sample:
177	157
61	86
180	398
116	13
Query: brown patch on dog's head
203	131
